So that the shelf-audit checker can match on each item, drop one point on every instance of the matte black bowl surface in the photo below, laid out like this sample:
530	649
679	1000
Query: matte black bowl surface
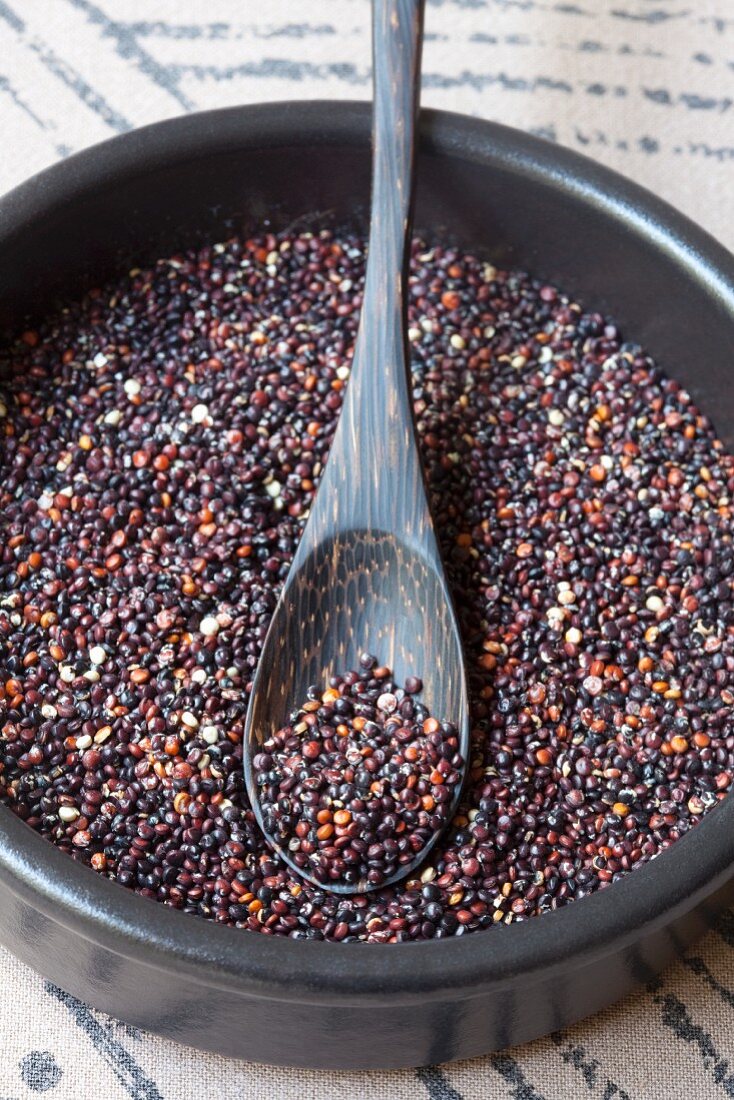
521	202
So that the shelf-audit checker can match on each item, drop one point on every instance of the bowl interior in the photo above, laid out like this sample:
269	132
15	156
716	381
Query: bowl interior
510	198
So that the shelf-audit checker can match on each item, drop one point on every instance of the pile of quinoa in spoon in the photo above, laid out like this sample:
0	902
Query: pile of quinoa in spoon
361	781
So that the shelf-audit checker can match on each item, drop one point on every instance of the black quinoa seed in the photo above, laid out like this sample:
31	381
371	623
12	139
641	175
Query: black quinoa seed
160	444
360	781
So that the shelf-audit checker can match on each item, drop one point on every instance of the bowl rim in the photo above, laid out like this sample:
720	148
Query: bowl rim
118	920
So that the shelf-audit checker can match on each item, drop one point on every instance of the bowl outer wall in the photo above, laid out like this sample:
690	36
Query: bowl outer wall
526	202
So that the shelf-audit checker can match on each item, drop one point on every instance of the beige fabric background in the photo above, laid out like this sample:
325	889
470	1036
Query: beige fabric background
646	86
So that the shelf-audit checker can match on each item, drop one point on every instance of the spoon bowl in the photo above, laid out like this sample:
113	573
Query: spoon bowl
367	575
361	590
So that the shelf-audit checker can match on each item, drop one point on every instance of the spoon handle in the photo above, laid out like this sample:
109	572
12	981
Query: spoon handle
396	50
374	476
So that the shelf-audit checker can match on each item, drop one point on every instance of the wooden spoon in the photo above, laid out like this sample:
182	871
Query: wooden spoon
367	574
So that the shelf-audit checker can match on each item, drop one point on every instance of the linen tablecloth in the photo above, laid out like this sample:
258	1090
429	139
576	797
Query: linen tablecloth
646	86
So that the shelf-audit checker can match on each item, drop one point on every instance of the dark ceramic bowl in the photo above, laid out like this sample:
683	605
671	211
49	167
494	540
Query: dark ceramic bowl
520	201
